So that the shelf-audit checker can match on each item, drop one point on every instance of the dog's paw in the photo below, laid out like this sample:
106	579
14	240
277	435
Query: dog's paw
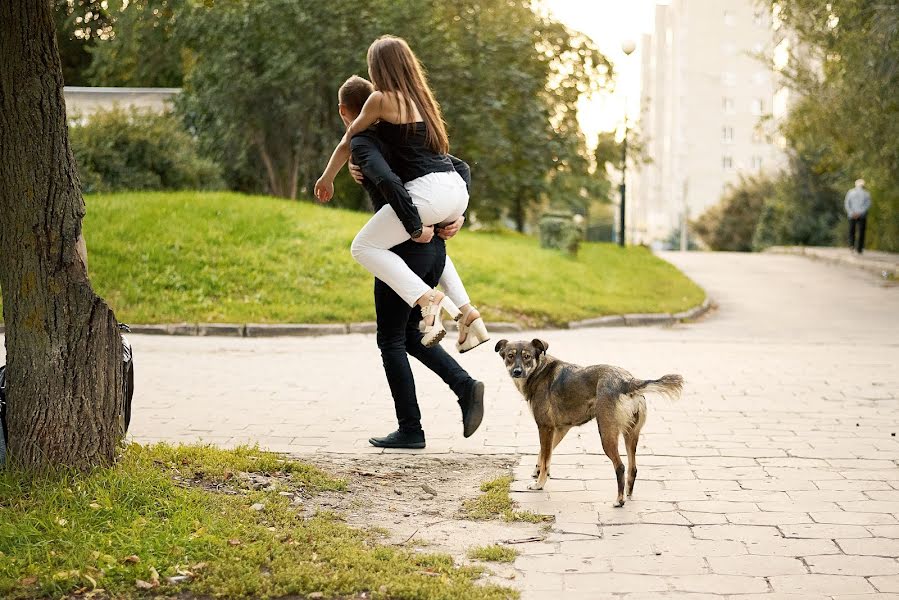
535	486
619	503
536	473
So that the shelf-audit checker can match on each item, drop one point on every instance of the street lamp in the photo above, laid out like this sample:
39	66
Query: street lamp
628	47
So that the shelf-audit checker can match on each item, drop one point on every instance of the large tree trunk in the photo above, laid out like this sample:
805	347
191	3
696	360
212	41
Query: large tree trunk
64	351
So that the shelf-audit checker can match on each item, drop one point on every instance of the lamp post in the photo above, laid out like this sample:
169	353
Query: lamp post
628	47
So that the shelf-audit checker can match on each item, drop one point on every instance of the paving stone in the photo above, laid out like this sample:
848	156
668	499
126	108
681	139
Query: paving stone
853	518
820	584
768	518
718	584
883	531
863	566
618	583
870	547
658	565
761	566
886	583
824	531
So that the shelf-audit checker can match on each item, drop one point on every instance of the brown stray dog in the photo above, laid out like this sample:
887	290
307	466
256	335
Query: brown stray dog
562	395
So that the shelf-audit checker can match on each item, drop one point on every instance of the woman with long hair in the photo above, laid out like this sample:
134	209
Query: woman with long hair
412	125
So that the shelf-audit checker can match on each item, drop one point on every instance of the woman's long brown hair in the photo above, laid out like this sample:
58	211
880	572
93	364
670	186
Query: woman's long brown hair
394	68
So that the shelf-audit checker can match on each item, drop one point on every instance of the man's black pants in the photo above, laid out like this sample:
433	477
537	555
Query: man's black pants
857	241
398	335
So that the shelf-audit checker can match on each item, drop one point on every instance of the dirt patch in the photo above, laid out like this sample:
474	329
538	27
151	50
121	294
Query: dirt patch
415	501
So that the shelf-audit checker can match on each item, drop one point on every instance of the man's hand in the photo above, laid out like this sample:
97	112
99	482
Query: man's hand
356	172
427	234
448	231
324	190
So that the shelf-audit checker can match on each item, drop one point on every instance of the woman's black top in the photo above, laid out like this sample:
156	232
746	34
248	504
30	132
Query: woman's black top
412	158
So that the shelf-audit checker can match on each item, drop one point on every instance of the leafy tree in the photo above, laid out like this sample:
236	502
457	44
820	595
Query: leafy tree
845	66
79	24
261	91
142	48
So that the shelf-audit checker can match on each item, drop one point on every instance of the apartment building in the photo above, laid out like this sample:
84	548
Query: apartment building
706	102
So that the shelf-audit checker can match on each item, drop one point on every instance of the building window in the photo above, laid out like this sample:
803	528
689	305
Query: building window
729	18
757	136
727	162
727	105
728	78
757	163
758	17
758	106
727	134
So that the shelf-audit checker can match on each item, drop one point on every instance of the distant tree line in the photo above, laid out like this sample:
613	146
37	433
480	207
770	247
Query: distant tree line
260	84
844	68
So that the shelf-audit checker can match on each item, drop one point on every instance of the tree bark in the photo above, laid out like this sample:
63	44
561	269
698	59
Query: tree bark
64	351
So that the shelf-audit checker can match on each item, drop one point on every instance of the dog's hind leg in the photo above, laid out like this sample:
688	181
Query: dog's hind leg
609	432
546	450
631	437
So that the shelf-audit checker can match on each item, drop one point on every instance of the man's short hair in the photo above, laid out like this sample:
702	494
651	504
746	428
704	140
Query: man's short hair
354	92
859	183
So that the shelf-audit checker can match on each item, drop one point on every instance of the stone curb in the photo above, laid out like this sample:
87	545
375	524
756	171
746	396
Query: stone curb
258	330
637	319
878	267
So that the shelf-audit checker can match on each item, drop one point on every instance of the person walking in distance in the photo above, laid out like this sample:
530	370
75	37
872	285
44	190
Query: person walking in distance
858	202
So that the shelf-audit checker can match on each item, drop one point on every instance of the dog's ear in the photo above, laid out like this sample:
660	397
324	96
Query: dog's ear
540	346
500	345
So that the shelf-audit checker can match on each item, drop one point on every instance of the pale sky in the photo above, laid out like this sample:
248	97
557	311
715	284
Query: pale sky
608	23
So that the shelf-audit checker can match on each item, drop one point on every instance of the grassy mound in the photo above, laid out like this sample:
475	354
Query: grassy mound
224	257
194	521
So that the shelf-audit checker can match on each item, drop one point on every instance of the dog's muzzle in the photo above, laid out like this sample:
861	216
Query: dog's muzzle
517	373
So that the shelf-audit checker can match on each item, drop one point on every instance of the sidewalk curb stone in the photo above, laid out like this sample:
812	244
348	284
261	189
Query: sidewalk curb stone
257	330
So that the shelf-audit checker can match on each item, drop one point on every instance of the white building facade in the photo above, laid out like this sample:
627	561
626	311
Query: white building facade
706	98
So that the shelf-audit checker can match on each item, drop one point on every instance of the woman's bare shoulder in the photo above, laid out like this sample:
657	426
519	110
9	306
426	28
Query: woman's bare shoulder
395	108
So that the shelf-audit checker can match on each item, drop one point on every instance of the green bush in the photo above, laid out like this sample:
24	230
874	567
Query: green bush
559	231
730	225
119	150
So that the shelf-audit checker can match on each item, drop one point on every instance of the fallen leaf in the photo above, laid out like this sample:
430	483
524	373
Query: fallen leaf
200	566
143	585
258	506
61	521
176	579
26	581
133	559
94	505
234	542
154	576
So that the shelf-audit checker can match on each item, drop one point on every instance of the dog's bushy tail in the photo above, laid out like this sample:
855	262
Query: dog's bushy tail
668	385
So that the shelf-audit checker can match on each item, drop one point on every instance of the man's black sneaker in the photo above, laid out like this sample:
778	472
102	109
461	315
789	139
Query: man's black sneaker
400	439
472	408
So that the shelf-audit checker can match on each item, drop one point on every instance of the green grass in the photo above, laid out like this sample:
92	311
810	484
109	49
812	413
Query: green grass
165	511
496	503
493	553
225	257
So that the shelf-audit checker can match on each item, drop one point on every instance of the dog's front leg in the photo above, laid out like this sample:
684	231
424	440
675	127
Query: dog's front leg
546	449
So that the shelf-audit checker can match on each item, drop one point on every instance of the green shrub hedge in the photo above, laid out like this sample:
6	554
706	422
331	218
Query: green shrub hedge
119	150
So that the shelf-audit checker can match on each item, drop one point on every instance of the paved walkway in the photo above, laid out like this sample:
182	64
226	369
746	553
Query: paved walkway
774	477
885	264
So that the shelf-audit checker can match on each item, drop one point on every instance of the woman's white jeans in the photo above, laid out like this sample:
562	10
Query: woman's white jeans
440	198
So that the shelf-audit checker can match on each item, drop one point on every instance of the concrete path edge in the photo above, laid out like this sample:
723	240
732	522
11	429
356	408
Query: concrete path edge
258	330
